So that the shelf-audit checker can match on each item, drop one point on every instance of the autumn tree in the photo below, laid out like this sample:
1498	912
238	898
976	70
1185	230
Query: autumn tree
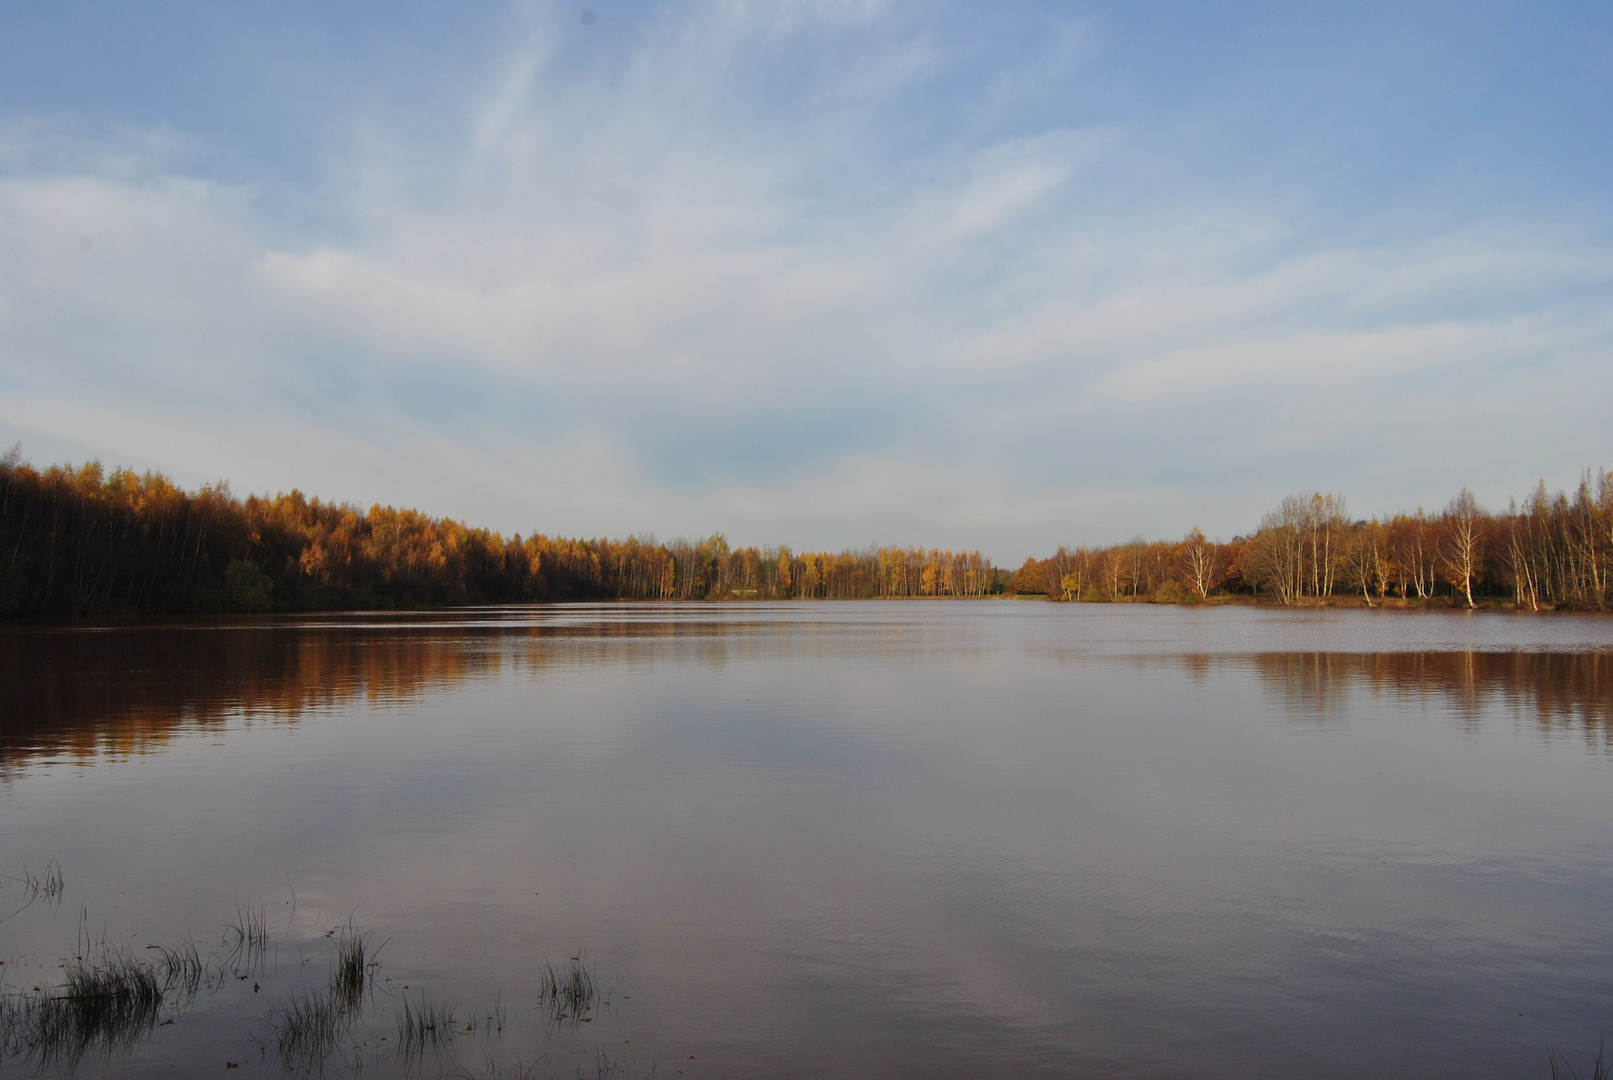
1199	563
1464	541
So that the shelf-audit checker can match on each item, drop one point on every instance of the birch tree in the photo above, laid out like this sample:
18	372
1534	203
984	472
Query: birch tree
1199	562
1463	541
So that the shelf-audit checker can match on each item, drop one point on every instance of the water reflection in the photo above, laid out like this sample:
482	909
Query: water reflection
80	694
1557	691
864	839
116	692
83	694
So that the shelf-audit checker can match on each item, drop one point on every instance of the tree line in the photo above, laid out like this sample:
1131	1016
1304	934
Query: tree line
82	541
1551	551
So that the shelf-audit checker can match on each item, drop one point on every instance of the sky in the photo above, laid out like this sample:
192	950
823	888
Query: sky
823	272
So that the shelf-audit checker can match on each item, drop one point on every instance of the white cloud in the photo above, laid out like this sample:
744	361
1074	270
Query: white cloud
627	296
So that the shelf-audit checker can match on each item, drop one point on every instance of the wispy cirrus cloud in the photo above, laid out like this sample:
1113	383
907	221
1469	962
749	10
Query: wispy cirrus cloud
817	273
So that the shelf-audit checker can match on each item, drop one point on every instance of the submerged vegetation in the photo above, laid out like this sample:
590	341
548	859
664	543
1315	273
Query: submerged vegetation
48	886
307	1025
570	993
182	966
1549	552
248	935
351	970
107	1003
1562	1070
424	1025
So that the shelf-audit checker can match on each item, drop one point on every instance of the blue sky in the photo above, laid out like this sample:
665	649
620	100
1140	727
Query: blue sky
826	273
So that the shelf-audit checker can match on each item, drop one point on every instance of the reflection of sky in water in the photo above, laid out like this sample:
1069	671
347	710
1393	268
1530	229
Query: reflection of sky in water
924	838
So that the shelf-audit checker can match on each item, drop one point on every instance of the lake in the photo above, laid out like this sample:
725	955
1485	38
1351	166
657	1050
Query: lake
927	839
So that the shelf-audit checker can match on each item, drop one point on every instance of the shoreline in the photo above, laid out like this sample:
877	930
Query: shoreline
1492	606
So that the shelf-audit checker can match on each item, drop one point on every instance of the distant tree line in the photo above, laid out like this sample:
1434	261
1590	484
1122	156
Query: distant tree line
81	541
1550	552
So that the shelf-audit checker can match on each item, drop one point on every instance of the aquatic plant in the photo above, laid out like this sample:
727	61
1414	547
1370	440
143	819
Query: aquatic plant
109	999
107	1002
568	993
250	930
424	1025
48	885
247	940
1601	1069
493	1069
348	980
181	965
607	1064
493	1020
113	986
307	1025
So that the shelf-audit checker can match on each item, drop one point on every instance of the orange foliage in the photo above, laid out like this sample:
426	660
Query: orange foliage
77	541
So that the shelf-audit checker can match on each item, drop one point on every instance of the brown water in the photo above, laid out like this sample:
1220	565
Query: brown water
864	839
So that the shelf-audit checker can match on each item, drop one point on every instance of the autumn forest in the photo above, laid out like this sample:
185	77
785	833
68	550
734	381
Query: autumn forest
79	541
1552	551
82	541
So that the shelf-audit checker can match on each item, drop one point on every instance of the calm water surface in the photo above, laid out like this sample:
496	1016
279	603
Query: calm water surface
866	839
